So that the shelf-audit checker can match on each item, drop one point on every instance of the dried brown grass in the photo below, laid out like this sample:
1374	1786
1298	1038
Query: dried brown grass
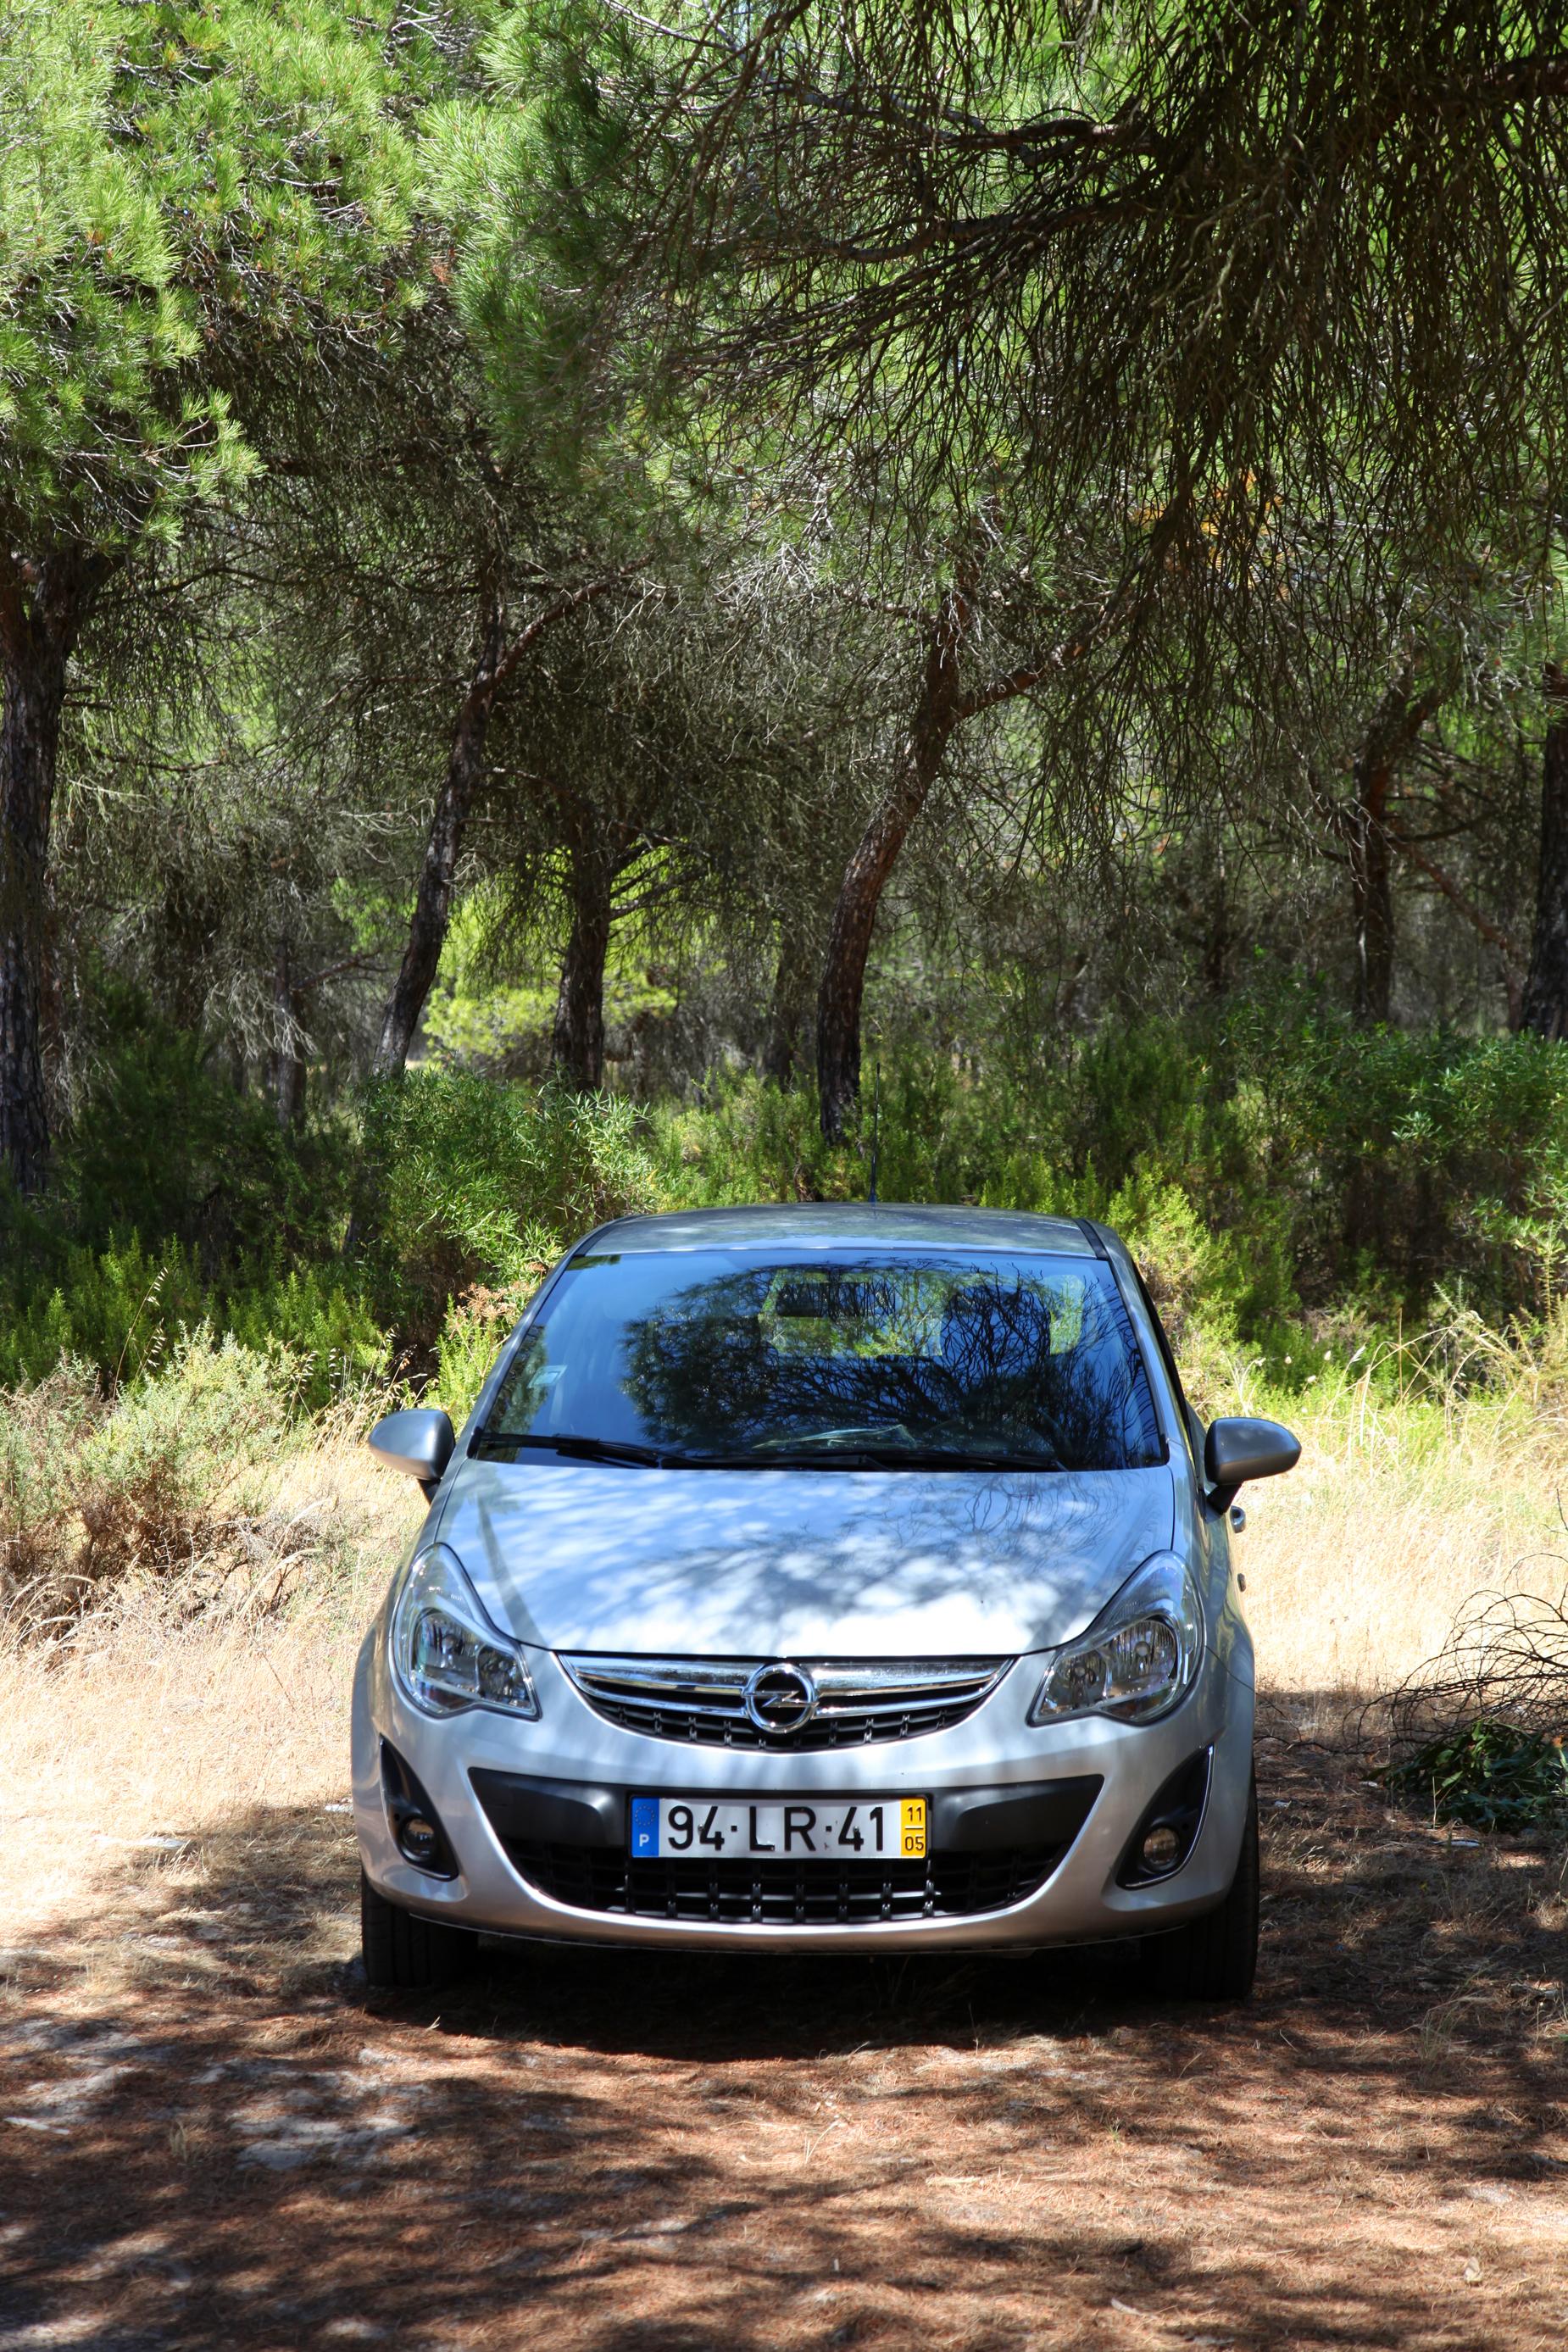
1427	1475
168	1481
154	1721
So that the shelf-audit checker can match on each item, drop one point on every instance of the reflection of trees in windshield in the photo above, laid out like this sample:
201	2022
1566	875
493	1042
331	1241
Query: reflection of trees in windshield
983	1360
527	1385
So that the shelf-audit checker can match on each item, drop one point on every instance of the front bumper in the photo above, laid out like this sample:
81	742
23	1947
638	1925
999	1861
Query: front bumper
1074	1793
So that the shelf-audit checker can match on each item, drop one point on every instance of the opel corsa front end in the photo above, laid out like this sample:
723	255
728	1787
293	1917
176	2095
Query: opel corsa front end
820	1579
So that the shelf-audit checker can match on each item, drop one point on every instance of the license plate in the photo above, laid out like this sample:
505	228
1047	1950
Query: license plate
830	1829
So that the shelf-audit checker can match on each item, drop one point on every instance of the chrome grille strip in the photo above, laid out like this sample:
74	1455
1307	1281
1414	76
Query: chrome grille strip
858	1700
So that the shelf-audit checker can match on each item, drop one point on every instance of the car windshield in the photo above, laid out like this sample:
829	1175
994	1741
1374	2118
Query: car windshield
888	1361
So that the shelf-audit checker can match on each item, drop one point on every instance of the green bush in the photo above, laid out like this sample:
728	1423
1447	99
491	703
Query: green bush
1275	1170
1321	1167
1410	1162
165	1145
471	1334
472	1180
176	1200
215	1412
120	1309
1490	1776
111	1307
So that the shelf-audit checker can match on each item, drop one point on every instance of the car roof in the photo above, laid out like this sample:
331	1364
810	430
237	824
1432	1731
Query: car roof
840	1224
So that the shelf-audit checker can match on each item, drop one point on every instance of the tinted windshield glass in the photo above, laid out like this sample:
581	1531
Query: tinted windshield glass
901	1358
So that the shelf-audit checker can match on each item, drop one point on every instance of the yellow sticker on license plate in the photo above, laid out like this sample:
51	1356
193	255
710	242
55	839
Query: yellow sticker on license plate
912	1828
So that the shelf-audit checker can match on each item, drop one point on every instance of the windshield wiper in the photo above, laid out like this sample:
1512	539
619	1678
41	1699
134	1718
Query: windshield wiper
939	1457
874	1458
959	1457
498	1445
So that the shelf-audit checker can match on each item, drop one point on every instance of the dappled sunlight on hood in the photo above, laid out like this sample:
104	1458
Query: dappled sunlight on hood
771	1562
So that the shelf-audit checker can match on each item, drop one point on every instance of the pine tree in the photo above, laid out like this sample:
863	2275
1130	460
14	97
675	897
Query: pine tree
204	212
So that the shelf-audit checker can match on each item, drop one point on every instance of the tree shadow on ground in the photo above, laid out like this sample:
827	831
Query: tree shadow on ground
213	2135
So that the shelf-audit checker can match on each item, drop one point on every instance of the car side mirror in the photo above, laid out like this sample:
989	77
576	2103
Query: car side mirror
1238	1449
419	1442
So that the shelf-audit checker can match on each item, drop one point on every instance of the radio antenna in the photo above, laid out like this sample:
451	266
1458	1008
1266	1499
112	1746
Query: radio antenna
876	1122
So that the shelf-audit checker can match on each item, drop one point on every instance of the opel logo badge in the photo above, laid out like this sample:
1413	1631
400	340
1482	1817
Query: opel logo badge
779	1700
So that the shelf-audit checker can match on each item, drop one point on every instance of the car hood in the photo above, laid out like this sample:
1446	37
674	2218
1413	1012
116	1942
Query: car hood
774	1563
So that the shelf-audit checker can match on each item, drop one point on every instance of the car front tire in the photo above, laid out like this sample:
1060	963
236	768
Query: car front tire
1213	1957
405	1953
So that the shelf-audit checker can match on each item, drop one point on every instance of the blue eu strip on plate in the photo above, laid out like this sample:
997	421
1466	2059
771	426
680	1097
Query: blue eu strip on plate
645	1826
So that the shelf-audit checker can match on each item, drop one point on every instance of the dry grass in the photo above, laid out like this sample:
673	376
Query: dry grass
1404	1506
149	1724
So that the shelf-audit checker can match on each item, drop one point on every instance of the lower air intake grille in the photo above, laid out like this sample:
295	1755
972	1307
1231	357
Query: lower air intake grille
783	1894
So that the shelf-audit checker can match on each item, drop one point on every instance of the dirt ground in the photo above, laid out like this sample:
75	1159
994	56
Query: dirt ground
211	2135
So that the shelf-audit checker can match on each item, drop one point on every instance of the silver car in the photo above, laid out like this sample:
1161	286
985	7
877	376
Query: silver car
823	1578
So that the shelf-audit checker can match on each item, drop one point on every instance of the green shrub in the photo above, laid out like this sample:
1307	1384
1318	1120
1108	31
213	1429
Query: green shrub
472	1180
748	1141
1488	1775
176	1200
111	1307
1273	1169
471	1335
165	1145
1269	1163
200	1424
120	1309
319	1319
94	1491
43	1428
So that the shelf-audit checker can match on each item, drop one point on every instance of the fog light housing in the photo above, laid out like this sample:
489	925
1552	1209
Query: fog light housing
1168	1831
1161	1850
419	1839
414	1823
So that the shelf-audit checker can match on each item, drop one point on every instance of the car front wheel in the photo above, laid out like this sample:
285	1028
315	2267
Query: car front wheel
1213	1957
406	1953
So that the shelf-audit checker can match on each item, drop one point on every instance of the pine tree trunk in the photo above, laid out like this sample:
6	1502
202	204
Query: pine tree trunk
1388	741
1544	1007
577	1038
866	875
288	1060
42	607
443	847
1371	891
791	995
1218	942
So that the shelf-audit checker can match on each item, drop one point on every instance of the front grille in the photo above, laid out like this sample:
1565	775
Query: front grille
858	1700
783	1894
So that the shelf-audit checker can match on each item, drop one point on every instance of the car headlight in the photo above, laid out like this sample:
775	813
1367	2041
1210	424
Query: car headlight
1140	1657
446	1654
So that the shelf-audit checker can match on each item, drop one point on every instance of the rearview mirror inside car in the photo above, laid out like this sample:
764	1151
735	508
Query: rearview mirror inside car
419	1442
1238	1449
